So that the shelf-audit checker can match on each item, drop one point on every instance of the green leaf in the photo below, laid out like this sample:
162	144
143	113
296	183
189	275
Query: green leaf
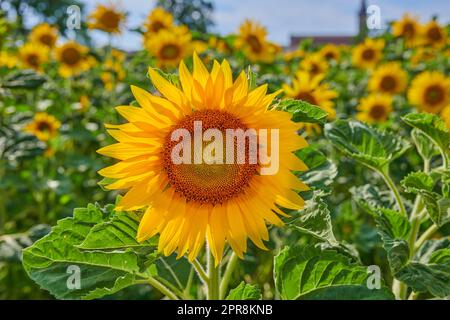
369	196
117	233
424	145
315	220
431	277
303	111
438	207
432	126
371	147
417	181
394	229
307	272
244	292
49	261
11	245
24	79
321	171
430	269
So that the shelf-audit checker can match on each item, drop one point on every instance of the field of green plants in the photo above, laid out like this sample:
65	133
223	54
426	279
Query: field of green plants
92	208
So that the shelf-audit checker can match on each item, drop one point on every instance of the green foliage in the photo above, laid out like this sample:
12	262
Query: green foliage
369	146
244	292
303	111
24	79
308	273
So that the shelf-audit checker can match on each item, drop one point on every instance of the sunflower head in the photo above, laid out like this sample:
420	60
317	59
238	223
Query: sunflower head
375	108
159	19
34	55
388	78
330	52
445	114
43	126
407	27
73	59
8	60
44	34
252	39
434	35
106	18
204	197
309	88
315	64
429	91
169	47
367	54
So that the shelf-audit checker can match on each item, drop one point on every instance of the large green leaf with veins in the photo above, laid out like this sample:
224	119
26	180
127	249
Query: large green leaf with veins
369	146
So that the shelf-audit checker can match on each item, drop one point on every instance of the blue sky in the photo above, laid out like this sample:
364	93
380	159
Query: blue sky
284	17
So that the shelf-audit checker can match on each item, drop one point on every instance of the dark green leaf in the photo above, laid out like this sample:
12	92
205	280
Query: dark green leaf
303	111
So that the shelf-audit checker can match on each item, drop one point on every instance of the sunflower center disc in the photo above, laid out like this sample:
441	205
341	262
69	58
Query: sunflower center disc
388	83
434	95
208	183
110	19
71	56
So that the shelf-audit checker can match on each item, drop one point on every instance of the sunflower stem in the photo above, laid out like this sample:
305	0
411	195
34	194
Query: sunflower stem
200	271
385	174
213	276
232	262
425	236
162	288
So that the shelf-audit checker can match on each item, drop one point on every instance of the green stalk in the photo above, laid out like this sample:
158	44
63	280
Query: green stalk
385	174
213	277
161	288
200	271
232	262
2	201
425	236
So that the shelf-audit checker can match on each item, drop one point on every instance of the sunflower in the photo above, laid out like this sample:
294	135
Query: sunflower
388	78
434	35
72	58
288	56
169	47
33	55
309	88
159	19
252	40
186	203
43	126
330	52
429	91
44	34
367	54
445	114
407	28
314	64
8	60
374	108
106	18
423	54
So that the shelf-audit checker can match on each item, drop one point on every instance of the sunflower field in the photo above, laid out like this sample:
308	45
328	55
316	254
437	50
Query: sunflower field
92	205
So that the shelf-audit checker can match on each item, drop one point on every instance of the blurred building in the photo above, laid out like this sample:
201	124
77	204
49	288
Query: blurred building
344	39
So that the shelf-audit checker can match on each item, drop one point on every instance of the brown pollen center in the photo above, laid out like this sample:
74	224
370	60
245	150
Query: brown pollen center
208	183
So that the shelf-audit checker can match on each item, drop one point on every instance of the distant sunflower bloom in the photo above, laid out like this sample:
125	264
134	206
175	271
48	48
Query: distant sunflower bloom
159	19
330	52
186	203
388	78
169	47
367	54
314	64
309	88
33	55
252	40
434	35
407	28
375	108
44	34
295	54
8	60
445	114
43	126
106	18
423	54
73	59
429	91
